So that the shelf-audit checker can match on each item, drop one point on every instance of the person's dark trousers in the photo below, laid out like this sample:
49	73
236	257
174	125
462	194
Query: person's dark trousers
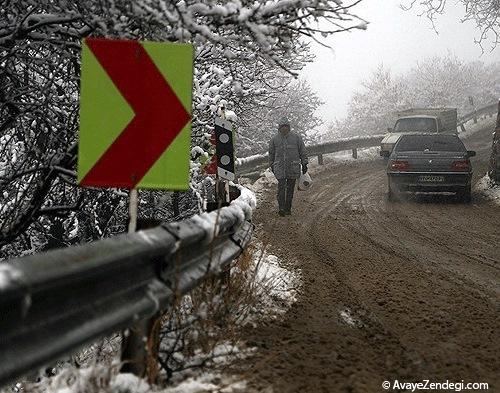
286	188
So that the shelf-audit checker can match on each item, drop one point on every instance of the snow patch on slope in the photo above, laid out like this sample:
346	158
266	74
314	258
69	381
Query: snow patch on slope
105	379
471	128
366	154
491	191
8	275
279	286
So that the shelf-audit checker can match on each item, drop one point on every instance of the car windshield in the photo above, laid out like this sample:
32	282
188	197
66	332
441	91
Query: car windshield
416	124
430	143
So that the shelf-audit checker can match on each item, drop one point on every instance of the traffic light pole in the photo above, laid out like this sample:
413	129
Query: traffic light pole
222	198
225	163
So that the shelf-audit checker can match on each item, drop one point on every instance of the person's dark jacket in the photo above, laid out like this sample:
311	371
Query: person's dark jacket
286	154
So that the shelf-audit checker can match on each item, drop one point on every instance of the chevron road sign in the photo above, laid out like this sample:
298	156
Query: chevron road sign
135	114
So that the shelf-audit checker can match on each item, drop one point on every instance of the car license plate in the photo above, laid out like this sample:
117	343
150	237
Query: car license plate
431	179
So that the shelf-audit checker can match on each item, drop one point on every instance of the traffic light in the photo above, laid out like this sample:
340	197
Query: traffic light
224	149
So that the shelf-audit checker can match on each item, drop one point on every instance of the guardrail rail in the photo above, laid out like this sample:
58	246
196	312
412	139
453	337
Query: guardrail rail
55	302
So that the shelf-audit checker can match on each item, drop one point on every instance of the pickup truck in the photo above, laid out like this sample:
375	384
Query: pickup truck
418	120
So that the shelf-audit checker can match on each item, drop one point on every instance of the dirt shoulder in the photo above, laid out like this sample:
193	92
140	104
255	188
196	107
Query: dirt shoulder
406	291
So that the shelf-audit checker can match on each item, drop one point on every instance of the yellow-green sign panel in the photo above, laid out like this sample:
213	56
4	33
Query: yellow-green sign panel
135	114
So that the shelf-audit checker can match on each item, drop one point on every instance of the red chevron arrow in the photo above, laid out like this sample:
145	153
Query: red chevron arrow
159	115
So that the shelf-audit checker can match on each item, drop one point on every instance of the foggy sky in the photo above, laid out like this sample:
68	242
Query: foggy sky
395	38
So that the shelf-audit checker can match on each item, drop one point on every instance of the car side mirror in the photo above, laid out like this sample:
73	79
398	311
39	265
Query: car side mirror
385	153
471	153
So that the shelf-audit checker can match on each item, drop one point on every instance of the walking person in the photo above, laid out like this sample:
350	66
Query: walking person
287	158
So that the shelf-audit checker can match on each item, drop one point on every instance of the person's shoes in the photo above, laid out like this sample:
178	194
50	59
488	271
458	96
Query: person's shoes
282	213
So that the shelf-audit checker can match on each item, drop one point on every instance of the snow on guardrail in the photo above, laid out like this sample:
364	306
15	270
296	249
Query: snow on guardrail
240	210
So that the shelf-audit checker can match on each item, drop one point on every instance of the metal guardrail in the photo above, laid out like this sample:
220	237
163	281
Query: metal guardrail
53	303
485	110
255	163
359	142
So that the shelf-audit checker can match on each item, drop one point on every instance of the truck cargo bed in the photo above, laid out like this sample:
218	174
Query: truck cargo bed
447	116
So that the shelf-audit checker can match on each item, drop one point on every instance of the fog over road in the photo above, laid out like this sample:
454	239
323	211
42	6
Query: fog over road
406	290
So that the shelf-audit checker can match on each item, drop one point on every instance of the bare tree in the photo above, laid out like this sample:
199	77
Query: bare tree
485	14
434	82
238	44
295	100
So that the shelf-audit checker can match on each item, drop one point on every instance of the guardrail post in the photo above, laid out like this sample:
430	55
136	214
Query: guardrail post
355	153
475	117
320	159
135	348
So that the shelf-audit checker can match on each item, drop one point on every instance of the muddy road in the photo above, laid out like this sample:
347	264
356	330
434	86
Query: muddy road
407	290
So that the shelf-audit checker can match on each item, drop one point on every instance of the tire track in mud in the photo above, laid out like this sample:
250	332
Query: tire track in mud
390	290
434	241
429	236
488	266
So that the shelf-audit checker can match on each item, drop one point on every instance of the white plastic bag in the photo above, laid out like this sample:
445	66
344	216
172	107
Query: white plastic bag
305	182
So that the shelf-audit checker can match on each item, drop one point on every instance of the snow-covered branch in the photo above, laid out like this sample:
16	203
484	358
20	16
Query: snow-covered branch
246	55
484	13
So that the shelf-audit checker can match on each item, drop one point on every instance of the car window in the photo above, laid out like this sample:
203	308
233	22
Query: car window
416	124
430	143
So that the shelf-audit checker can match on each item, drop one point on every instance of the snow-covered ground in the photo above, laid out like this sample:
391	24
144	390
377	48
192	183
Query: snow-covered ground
106	379
8	275
471	128
278	286
370	153
488	189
